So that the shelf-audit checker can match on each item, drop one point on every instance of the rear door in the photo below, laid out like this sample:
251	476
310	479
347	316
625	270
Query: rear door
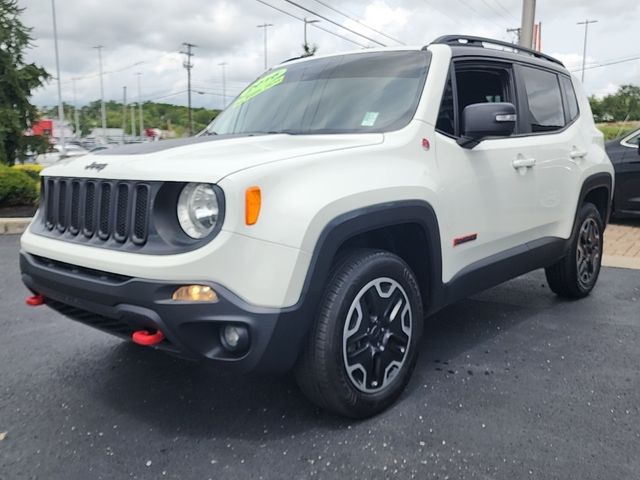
551	134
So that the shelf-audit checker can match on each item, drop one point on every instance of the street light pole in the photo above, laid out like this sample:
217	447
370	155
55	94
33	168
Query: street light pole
584	46
306	22
124	113
103	111
265	26
63	149
224	85
140	104
76	114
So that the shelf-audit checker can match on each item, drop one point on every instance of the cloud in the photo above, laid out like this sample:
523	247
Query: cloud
152	32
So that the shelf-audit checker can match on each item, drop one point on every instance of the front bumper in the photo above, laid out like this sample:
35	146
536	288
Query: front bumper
121	305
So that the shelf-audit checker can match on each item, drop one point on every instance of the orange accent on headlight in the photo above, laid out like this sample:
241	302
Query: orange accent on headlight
253	201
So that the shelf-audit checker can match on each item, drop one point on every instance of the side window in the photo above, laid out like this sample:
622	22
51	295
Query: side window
482	83
570	97
446	122
545	102
633	141
475	83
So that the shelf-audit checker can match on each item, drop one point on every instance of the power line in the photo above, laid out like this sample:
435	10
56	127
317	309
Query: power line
335	23
468	5
321	2
494	10
606	64
313	24
504	9
443	12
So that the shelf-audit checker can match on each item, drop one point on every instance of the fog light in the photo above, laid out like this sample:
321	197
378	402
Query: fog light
195	293
235	337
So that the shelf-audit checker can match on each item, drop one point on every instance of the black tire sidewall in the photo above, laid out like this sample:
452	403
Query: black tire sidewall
588	210
372	265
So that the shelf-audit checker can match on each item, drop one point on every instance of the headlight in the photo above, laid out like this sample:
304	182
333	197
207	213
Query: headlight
198	209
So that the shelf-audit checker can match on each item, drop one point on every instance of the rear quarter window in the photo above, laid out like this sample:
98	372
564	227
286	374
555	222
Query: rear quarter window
546	113
570	96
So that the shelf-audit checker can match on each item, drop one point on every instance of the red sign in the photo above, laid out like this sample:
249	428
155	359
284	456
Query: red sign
42	127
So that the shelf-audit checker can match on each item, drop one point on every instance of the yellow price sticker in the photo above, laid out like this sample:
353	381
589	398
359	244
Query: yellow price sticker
261	85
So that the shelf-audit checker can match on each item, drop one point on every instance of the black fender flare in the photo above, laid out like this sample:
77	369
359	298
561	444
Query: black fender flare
297	320
597	180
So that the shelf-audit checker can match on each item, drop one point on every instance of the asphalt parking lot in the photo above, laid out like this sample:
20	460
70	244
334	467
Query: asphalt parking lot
513	383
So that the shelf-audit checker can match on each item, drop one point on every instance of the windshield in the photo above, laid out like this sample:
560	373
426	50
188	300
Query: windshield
365	92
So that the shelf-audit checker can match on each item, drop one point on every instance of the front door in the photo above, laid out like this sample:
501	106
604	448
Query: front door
490	190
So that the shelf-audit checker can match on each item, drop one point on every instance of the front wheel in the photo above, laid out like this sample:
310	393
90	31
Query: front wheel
576	275
364	343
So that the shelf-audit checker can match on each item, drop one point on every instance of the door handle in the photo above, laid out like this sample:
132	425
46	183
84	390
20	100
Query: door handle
576	154
522	162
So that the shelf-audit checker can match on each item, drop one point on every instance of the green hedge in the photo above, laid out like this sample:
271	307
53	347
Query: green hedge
17	188
31	169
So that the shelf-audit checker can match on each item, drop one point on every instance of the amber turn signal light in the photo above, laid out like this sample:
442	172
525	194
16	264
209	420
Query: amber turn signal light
253	201
195	293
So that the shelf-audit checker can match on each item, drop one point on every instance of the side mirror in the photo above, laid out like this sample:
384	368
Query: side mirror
481	120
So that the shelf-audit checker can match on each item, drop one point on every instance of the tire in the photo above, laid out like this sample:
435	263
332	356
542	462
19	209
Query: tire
576	274
363	345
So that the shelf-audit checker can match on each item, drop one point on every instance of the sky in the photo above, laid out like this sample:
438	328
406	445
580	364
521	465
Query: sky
146	37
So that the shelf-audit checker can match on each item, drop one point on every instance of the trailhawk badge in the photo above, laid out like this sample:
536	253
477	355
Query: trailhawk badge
95	166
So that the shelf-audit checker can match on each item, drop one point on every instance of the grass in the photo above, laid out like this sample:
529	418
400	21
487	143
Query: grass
617	129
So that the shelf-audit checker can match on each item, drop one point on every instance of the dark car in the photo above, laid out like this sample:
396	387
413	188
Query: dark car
624	153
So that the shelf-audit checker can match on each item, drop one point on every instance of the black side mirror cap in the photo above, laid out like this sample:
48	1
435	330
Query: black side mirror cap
481	120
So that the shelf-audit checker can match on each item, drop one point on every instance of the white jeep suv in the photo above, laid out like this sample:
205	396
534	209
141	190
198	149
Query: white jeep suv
337	203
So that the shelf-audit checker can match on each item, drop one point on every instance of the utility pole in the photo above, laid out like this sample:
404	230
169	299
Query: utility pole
103	111
133	121
124	112
584	47
528	18
140	104
63	150
306	22
76	113
517	33
265	26
224	85
188	66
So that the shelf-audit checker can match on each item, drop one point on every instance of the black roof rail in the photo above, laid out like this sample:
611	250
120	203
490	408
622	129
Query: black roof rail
471	41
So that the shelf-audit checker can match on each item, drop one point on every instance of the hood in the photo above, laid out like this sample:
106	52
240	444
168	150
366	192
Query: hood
209	158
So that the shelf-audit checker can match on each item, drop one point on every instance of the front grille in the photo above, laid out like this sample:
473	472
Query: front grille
100	211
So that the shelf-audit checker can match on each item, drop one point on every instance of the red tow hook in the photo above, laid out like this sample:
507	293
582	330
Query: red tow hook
35	300
146	338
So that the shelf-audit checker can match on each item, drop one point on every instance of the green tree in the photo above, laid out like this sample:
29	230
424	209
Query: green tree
619	106
17	80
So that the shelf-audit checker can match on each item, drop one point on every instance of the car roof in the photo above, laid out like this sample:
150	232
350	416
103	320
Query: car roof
461	46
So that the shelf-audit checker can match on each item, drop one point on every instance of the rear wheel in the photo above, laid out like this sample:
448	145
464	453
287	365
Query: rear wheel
363	346
576	275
